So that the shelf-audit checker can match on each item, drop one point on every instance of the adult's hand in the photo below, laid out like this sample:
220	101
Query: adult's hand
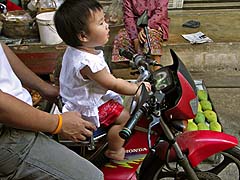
75	128
142	36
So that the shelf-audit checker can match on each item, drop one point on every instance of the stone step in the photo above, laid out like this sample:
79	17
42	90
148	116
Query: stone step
222	26
209	1
222	55
211	4
229	5
227	79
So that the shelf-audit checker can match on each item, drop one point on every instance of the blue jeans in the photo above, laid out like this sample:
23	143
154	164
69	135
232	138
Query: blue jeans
29	155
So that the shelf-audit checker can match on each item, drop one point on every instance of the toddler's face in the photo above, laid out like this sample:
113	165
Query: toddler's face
98	30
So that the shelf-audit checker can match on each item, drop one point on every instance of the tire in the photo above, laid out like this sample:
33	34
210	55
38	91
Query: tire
221	166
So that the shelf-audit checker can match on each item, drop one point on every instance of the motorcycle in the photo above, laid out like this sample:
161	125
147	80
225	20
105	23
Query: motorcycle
157	143
158	117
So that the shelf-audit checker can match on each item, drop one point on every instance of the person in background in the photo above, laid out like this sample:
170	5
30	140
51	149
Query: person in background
86	84
26	152
133	37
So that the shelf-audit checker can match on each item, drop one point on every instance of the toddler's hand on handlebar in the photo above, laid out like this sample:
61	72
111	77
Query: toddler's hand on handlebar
148	86
75	128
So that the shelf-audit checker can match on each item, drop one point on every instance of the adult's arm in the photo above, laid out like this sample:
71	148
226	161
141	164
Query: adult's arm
18	114
28	78
159	18
15	113
129	19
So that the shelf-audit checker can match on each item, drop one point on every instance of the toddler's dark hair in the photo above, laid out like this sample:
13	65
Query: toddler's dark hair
71	19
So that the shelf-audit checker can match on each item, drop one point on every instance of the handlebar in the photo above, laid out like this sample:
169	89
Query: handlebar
126	132
127	54
137	59
142	63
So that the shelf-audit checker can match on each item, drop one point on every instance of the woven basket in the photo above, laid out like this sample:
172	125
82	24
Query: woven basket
21	29
24	27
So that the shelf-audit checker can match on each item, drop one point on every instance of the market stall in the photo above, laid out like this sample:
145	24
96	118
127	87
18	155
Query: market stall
28	29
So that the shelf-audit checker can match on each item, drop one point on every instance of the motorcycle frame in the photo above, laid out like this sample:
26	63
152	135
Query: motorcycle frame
188	149
196	145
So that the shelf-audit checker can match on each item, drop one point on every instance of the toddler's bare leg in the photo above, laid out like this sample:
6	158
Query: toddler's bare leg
115	142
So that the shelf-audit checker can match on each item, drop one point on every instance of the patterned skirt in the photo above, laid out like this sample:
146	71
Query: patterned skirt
122	40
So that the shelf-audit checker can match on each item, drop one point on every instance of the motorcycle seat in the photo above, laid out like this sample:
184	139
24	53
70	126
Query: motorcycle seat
90	142
98	134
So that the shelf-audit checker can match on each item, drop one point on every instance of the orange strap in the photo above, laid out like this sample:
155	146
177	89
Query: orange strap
59	125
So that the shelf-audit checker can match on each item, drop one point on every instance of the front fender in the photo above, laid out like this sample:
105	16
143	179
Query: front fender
198	145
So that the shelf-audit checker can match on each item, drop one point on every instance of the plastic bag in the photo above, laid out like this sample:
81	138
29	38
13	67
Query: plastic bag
42	5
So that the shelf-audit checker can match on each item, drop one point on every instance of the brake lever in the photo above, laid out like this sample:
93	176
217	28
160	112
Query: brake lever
160	96
156	115
154	122
144	74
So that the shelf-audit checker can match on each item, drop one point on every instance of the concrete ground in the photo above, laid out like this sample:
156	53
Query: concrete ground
217	63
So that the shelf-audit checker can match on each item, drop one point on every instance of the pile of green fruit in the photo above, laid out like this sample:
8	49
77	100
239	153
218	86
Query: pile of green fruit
206	118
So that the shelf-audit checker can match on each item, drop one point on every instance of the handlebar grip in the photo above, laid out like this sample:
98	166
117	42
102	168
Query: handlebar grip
125	53
126	132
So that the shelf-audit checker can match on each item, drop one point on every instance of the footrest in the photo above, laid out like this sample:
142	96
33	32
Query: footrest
100	132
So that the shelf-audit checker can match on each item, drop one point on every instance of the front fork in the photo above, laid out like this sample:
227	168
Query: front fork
182	159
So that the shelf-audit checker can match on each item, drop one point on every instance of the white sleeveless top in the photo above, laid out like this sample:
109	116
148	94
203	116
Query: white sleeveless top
9	82
79	94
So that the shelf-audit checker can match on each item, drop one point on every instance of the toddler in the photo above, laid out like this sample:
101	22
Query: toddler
86	84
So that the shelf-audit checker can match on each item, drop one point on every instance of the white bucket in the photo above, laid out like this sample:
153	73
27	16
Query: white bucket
47	30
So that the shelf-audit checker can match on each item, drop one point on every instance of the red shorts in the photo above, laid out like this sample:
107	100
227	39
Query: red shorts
109	111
